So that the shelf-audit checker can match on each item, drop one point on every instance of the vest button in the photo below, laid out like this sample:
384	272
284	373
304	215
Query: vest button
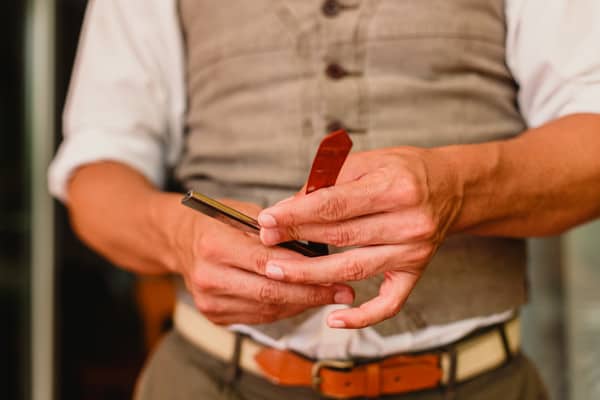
335	71
331	8
334	126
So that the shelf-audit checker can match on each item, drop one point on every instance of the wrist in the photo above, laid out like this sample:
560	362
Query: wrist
446	186
477	173
171	223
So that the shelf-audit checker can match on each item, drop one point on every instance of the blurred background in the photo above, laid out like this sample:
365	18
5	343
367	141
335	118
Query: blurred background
74	327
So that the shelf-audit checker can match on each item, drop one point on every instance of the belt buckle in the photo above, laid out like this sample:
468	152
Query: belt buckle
319	365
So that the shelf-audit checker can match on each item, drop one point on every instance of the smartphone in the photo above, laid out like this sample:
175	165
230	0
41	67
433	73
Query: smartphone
239	220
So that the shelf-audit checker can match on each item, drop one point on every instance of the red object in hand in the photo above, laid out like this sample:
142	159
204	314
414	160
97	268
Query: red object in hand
328	162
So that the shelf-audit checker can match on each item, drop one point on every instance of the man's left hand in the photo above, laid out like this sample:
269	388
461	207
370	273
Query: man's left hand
394	206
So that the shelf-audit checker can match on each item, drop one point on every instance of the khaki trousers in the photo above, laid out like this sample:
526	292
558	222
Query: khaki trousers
178	370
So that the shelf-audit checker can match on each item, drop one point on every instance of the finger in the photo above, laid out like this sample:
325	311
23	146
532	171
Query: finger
233	247
393	293
224	281
336	203
214	306
253	318
406	226
351	265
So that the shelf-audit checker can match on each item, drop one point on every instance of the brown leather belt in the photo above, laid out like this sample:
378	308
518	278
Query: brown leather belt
342	379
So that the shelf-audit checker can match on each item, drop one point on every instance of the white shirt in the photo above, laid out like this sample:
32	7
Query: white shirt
127	103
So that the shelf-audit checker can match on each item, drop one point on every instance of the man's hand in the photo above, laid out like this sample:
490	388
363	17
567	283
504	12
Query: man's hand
224	270
396	204
400	203
121	215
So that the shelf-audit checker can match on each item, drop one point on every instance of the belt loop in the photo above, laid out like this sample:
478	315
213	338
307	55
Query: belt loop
505	344
373	375
233	369
449	392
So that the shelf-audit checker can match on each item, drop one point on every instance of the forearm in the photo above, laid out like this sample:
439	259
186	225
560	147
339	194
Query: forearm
540	183
121	215
394	207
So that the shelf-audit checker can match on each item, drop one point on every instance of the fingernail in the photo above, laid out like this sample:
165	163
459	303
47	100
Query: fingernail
270	236
267	221
343	297
337	323
274	271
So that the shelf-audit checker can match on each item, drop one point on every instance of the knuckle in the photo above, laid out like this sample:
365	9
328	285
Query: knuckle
206	306
389	312
318	297
199	279
426	251
299	275
294	232
393	308
288	218
426	228
354	270
196	278
207	248
331	208
261	257
396	307
208	285
410	191
219	321
340	235
270	293
362	321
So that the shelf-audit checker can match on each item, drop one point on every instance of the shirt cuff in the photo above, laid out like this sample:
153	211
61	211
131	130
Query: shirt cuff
141	154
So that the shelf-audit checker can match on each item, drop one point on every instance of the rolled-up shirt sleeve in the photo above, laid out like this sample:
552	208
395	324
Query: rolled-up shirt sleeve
117	103
553	51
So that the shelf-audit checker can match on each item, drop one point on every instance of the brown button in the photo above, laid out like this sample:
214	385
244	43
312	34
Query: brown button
331	8
335	71
334	126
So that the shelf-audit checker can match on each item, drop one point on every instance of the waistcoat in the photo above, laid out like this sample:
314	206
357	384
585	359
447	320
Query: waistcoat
267	79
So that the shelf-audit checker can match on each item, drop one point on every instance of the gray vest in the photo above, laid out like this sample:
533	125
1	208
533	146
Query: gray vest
267	79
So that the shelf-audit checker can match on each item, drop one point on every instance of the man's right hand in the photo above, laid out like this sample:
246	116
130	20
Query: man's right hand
122	216
224	269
